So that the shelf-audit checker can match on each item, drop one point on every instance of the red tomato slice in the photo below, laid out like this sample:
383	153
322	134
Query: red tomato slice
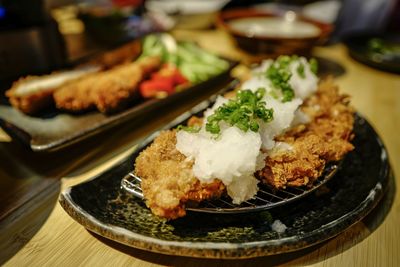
150	88
165	80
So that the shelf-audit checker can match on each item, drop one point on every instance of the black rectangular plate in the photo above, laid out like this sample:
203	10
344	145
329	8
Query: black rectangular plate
55	130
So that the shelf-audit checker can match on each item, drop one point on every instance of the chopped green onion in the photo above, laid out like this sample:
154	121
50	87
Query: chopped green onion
189	129
300	70
313	65
241	112
279	74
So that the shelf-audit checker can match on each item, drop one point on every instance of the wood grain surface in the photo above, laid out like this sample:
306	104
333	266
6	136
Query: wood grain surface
39	233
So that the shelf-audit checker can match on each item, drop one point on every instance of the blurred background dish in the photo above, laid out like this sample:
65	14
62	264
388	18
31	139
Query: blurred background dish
183	71
273	33
377	50
41	36
113	24
323	11
192	14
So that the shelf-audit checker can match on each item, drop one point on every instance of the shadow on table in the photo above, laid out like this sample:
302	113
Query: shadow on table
23	223
329	67
311	255
27	197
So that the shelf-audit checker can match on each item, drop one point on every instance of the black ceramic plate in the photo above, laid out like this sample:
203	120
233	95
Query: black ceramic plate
56	129
266	197
360	50
103	207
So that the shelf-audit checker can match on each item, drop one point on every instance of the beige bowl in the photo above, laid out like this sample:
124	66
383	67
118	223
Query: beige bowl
273	34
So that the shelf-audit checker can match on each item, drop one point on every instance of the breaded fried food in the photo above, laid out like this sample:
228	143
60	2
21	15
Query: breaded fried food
33	93
120	55
32	101
109	90
168	183
326	138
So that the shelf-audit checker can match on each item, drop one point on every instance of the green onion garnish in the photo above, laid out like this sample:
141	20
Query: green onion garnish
241	112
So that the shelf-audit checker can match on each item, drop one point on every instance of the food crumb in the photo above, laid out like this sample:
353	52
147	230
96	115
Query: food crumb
278	227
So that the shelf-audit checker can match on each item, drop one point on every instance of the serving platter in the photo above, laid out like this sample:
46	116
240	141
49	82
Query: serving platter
103	207
53	130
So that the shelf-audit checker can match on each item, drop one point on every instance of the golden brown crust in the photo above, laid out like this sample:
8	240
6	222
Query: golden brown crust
167	179
168	182
121	55
107	91
32	102
326	138
33	93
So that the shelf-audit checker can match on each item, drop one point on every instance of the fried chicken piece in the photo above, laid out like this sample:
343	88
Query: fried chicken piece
109	90
30	102
168	183
33	93
120	55
326	138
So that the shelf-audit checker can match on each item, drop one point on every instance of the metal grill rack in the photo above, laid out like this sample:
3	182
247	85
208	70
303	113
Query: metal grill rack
266	197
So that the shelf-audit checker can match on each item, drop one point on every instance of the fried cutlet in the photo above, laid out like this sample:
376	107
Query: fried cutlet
109	90
121	55
33	93
30	102
326	138
167	179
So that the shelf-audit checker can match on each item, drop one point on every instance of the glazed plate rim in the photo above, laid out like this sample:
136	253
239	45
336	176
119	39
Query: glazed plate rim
229	250
91	221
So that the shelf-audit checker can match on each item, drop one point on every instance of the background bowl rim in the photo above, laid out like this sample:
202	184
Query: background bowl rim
235	13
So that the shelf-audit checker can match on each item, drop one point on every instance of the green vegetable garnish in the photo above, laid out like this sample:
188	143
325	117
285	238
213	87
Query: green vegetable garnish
380	49
196	64
300	70
313	65
245	111
190	129
279	75
241	112
377	45
274	94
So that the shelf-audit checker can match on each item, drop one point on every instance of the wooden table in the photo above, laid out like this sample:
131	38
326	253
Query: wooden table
39	233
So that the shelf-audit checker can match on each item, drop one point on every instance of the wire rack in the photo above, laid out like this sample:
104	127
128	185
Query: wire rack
266	197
